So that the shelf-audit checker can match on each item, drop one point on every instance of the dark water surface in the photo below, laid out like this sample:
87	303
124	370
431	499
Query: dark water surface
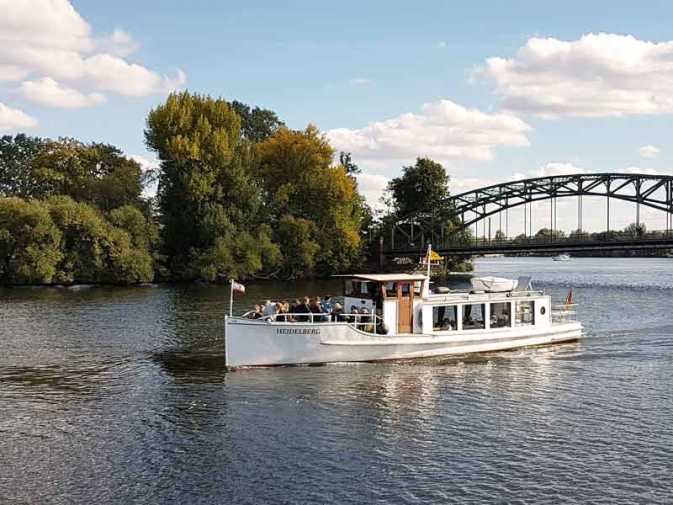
120	396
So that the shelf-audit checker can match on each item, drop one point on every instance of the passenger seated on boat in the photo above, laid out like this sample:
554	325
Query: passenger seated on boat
337	312
256	313
381	328
281	312
327	304
269	308
316	308
303	308
446	325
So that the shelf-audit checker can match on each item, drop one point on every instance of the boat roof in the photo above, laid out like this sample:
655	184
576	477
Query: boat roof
386	277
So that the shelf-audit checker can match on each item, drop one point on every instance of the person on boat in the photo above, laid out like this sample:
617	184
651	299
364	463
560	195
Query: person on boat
337	312
303	308
316	308
354	315
269	308
280	312
256	313
381	328
327	304
366	320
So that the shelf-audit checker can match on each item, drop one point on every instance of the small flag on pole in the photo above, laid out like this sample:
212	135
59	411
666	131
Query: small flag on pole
237	287
569	297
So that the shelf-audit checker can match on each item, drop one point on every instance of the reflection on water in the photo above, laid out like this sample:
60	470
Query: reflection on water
120	396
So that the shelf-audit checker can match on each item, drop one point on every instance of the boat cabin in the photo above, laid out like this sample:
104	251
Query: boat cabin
406	305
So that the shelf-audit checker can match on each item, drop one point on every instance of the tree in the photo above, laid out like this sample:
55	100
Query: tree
209	201
302	184
423	187
256	124
96	173
29	242
346	162
500	236
17	163
635	230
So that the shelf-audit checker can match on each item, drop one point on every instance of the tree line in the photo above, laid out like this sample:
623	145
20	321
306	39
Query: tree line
239	195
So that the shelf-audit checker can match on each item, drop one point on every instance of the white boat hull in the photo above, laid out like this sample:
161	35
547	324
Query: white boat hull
260	343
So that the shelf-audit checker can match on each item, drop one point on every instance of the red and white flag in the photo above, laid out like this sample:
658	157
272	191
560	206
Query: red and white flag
237	287
569	297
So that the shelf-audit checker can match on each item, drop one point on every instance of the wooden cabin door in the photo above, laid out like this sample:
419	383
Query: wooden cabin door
405	303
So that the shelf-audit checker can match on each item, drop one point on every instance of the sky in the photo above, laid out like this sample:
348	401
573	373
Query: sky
494	90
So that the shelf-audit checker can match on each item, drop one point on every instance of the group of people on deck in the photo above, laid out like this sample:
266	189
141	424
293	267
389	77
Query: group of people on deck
307	310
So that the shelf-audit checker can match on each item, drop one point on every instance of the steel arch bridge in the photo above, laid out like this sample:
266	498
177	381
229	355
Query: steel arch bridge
471	207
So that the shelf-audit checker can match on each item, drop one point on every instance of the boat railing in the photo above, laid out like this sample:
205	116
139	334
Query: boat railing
364	322
563	312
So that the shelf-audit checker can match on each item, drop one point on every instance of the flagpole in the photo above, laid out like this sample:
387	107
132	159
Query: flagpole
428	259
231	297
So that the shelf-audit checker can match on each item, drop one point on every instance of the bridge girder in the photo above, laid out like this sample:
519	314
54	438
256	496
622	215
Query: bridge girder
654	191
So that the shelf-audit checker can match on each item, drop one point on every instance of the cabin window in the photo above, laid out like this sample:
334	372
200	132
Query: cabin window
405	288
359	289
501	315
525	313
418	285
391	289
445	317
474	316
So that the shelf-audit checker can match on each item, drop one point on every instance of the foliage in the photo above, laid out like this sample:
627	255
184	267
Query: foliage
95	173
29	242
422	187
256	124
208	199
298	176
346	161
17	159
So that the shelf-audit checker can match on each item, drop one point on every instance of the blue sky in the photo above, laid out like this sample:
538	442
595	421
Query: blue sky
350	65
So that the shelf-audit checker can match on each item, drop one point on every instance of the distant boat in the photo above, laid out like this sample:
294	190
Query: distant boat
561	257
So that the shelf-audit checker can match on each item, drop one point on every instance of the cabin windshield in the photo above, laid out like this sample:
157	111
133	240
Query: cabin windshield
359	289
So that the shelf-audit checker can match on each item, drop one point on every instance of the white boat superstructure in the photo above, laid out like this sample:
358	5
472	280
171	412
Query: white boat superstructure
403	320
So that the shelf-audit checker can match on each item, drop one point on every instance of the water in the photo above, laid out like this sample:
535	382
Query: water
119	396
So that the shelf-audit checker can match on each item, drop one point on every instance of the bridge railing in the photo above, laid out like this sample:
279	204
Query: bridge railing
462	242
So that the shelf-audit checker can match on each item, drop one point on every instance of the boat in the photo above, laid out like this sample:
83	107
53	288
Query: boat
397	317
493	284
561	257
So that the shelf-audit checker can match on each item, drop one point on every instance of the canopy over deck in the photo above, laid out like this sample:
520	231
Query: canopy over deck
385	277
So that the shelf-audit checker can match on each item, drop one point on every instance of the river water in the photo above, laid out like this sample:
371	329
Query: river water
120	396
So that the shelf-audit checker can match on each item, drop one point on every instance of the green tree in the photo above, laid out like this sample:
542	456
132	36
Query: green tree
256	124
301	182
423	187
346	161
29	242
500	236
17	163
635	230
209	201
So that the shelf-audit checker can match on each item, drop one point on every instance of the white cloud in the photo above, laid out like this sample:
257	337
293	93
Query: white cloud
50	46
12	120
47	91
119	43
598	75
443	131
360	81
649	151
372	187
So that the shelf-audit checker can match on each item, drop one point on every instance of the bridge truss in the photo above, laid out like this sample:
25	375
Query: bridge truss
471	207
